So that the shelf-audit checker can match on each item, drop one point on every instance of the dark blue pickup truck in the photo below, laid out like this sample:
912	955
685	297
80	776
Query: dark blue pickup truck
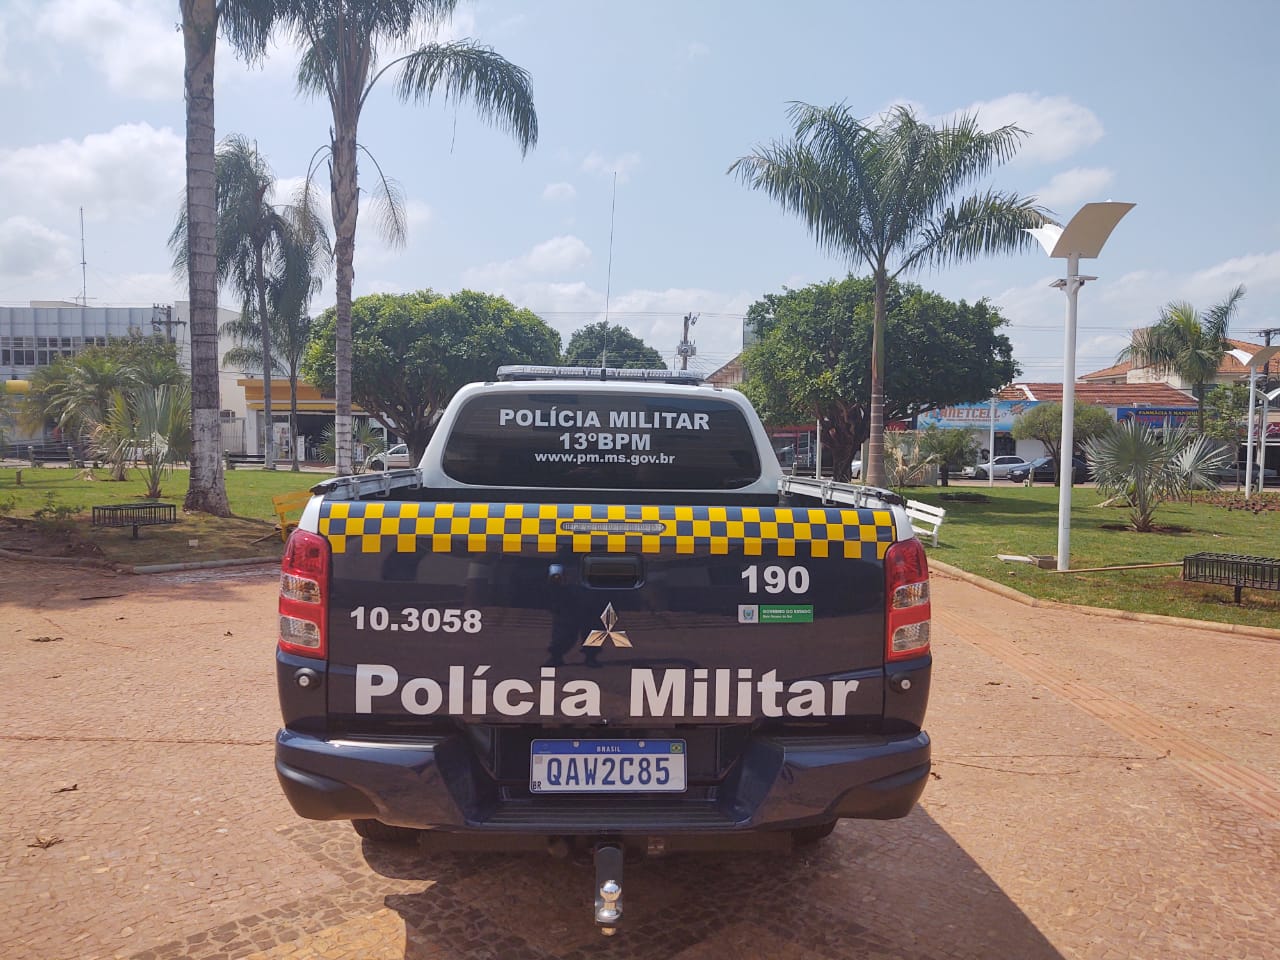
597	617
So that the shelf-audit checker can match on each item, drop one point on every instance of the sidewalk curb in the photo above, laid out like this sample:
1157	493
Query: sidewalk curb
991	586
200	565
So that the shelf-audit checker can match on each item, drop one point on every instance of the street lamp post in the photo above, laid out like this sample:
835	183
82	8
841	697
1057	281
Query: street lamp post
1082	238
1254	362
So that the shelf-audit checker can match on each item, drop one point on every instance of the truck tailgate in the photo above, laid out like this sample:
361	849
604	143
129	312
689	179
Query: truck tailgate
632	616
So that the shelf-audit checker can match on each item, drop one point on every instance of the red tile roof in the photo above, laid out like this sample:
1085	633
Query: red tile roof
1104	394
1230	366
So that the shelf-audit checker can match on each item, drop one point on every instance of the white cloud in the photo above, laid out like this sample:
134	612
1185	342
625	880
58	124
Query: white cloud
1067	190
139	288
29	250
1112	307
600	165
133	42
559	191
551	258
1058	126
129	172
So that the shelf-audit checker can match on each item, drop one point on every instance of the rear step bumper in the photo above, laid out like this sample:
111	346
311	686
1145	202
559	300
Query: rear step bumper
437	783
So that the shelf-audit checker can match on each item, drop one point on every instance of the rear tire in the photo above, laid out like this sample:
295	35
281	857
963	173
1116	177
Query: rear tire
377	465
808	836
380	832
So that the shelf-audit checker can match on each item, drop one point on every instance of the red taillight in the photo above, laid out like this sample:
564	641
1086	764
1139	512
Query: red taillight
906	580
304	594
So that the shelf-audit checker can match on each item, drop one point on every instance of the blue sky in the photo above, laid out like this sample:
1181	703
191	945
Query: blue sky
1170	105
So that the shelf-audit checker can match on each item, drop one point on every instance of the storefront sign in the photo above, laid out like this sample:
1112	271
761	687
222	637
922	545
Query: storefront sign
976	416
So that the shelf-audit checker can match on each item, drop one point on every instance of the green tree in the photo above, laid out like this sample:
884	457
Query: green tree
885	195
340	42
247	25
1043	422
1186	343
1148	467
74	393
595	342
810	361
1225	408
411	353
259	244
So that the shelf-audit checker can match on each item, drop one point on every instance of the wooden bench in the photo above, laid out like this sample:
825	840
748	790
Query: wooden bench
922	514
1231	570
286	503
134	515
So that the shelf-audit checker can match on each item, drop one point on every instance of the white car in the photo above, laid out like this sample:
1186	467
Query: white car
855	470
393	458
998	468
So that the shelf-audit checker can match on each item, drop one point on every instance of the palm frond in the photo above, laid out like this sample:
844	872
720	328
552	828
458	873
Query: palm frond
388	205
985	223
500	91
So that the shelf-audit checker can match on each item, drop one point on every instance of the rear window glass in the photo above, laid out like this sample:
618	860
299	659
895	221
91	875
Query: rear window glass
613	441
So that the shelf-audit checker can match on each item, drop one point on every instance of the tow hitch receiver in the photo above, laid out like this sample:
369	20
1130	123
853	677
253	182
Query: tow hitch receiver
608	887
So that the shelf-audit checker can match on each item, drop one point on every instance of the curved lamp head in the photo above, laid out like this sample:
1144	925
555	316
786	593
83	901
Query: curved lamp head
1260	357
1086	232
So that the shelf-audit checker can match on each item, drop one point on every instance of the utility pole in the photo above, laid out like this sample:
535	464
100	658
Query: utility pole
686	349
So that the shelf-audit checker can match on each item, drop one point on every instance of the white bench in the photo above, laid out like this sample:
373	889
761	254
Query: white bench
923	514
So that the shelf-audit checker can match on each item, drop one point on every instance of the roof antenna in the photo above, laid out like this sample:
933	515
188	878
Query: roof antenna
608	283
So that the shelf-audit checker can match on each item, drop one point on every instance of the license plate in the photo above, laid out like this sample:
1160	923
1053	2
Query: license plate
607	766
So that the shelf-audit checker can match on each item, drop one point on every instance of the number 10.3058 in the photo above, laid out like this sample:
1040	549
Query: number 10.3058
429	620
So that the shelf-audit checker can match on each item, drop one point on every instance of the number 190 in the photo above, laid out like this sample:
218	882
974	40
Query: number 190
777	579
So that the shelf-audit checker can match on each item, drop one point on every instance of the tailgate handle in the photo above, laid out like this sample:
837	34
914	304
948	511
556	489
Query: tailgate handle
613	571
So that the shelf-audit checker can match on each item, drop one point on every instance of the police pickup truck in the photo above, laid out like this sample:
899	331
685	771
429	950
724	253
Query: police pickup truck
598	618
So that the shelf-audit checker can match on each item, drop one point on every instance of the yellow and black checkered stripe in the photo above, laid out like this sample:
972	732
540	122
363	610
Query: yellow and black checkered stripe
378	526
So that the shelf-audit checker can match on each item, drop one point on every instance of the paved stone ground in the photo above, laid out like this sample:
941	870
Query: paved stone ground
1104	790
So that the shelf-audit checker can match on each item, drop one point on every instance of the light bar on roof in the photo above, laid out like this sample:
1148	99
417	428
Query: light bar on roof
533	372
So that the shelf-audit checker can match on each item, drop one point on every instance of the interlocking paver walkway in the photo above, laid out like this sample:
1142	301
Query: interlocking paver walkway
1104	789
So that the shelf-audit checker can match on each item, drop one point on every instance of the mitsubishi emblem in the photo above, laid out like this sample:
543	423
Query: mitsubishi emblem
597	637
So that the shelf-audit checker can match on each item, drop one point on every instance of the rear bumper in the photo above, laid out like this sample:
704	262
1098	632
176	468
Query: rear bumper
780	782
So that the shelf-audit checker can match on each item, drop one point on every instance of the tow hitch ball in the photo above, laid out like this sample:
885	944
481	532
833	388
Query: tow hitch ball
608	887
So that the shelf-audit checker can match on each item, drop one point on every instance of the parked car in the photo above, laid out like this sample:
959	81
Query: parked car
998	468
855	470
1235	473
393	458
1044	470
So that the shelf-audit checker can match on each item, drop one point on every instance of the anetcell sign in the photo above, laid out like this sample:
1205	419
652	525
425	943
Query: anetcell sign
976	416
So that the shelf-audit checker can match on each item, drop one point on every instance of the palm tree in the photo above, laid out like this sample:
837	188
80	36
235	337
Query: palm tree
257	242
152	420
1187	343
1148	467
247	24
339	41
291	331
884	194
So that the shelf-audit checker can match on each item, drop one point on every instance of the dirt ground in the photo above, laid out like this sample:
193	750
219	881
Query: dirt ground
1103	789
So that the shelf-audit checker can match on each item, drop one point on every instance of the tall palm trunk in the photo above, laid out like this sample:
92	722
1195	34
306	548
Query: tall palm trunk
207	490
346	206
874	472
269	442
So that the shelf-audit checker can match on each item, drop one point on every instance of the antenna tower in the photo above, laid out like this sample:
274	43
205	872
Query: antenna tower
84	276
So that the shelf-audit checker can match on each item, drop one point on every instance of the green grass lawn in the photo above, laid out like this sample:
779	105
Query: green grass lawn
1020	520
66	499
1014	520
